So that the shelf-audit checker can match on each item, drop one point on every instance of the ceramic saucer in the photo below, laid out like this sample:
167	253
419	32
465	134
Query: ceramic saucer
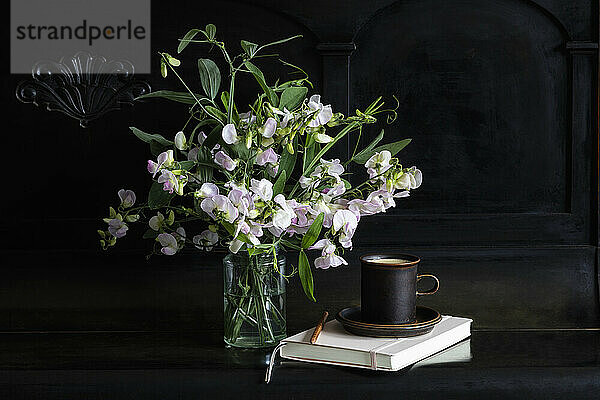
426	319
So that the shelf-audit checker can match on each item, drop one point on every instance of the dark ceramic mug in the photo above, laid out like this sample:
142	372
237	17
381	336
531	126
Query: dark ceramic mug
389	288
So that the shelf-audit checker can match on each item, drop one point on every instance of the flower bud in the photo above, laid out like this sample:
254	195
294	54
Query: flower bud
132	218
171	218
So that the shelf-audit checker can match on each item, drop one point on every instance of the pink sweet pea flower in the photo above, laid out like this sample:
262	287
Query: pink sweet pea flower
222	159
117	227
268	156
165	159
127	198
169	181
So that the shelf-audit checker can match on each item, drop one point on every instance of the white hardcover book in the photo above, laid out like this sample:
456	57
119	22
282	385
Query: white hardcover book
338	347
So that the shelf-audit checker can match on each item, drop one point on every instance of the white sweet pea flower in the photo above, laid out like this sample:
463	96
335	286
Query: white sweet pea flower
282	218
180	141
382	198
207	190
220	206
418	175
206	240
328	257
286	114
157	222
168	243
346	222
362	208
324	205
269	128
229	134
235	246
322	113
193	154
262	188
247	118
240	198
322	138
330	167
401	181
379	160
166	158
127	198
337	190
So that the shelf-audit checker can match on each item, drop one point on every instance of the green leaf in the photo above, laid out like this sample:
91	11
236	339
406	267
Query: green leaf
393	148
249	47
239	149
211	31
157	197
185	41
157	148
361	157
306	276
231	229
280	41
311	236
180	97
147	137
328	146
309	151
150	234
210	77
287	161
187	165
260	78
292	97
205	169
279	183
213	137
253	251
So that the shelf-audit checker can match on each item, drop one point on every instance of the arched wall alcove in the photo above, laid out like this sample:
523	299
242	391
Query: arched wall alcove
486	102
492	94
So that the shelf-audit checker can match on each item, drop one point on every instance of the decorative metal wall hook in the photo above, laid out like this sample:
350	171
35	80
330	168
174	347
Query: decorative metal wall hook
84	87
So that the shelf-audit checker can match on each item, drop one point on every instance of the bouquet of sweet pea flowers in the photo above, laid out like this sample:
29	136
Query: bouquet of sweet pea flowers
262	179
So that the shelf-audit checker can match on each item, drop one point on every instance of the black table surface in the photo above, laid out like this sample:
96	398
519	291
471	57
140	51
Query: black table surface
527	364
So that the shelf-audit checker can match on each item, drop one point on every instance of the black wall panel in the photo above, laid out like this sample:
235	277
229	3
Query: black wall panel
500	98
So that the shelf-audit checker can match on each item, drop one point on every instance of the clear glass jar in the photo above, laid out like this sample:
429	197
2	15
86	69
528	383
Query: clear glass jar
254	299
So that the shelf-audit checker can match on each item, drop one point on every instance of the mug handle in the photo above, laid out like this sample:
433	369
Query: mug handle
433	289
